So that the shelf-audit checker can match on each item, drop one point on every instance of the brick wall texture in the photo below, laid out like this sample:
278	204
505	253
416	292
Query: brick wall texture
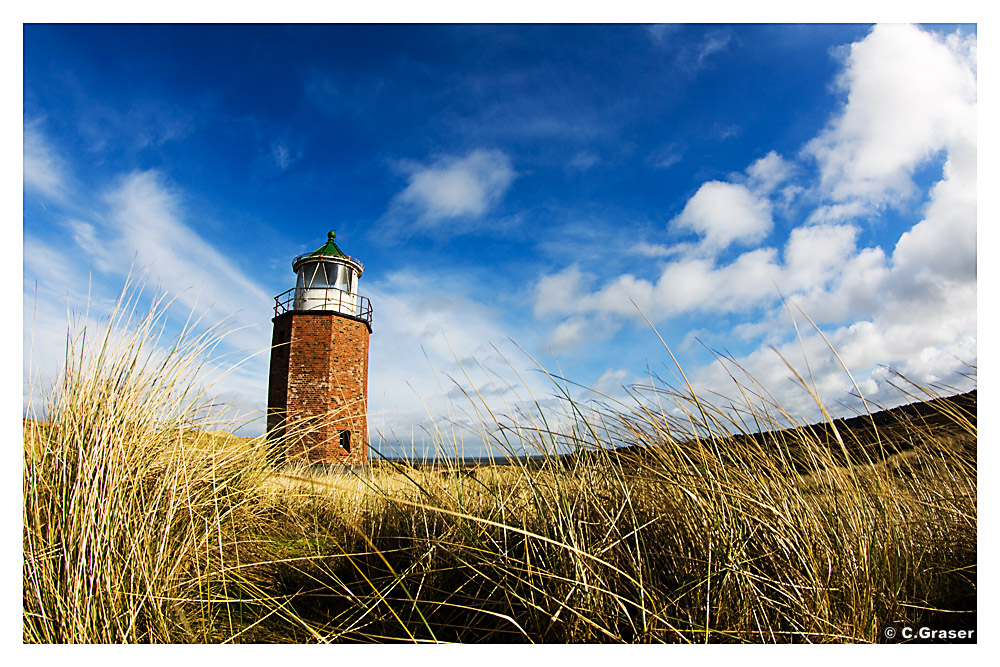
318	387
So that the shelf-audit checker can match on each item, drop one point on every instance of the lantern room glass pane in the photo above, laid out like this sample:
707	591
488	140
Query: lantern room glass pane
343	280
322	275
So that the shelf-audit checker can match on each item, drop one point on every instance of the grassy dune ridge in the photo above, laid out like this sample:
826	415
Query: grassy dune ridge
144	523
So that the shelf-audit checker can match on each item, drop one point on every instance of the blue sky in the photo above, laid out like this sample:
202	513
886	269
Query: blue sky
519	190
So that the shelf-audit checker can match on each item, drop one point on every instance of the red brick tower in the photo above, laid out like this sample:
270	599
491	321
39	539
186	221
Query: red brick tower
317	397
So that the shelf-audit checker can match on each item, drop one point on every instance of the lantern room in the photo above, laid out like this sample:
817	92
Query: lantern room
326	280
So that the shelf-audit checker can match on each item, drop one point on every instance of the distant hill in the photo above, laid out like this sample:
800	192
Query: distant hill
866	438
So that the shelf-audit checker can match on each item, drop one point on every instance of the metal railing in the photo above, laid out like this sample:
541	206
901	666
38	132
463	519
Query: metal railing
324	299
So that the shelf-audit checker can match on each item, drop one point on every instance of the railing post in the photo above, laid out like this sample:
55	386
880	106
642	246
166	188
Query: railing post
360	305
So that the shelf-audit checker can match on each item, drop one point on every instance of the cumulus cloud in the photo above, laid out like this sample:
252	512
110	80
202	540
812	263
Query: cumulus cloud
767	173
569	334
929	342
559	292
909	95
452	189
725	213
837	213
817	254
685	285
943	244
613	384
580	331
910	99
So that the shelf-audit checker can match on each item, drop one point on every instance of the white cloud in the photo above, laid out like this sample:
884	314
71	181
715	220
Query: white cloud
559	293
723	132
688	284
658	32
143	234
43	170
647	249
101	254
579	331
666	157
817	254
569	334
453	189
285	154
943	245
725	213
612	384
836	213
584	160
714	41
856	288
439	347
767	173
909	95
146	220
928	345
667	161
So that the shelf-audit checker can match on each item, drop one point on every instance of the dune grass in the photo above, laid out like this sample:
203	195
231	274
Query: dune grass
671	522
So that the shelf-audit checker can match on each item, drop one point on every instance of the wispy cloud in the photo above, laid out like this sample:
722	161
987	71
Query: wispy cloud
339	95
666	156
713	42
690	57
44	171
659	250
723	132
665	160
285	153
584	160
660	33
141	231
140	124
443	195
147	219
279	147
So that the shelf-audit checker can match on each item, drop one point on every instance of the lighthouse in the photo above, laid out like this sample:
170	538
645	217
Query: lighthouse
317	397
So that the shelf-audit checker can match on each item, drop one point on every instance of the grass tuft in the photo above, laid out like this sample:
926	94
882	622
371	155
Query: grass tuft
672	519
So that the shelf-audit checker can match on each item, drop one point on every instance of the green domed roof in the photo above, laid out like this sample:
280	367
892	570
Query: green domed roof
328	249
